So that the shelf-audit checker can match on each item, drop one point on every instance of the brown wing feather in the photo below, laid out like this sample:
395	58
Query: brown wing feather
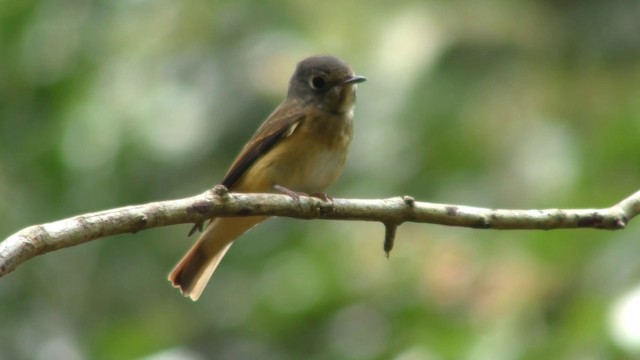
277	126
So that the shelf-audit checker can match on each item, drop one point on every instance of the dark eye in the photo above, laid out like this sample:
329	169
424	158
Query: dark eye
317	82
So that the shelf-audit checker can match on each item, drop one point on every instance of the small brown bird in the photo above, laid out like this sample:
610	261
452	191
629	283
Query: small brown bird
301	147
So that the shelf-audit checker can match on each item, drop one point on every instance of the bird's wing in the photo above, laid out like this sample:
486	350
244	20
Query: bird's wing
280	124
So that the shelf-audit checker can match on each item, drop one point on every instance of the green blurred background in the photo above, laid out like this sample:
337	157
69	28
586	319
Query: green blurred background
512	104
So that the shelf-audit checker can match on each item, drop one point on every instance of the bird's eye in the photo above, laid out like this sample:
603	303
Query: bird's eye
317	82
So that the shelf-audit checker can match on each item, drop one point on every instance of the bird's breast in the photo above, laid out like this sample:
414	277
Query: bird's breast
313	156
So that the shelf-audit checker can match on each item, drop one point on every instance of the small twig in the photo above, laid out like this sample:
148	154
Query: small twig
40	239
389	237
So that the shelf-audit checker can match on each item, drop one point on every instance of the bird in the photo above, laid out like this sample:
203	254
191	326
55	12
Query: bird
301	148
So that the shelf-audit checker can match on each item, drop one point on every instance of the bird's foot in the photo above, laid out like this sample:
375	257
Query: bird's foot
323	196
293	194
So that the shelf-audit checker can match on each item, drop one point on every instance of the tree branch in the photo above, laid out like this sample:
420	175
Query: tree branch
40	239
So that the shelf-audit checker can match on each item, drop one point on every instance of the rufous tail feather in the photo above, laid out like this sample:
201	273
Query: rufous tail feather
193	272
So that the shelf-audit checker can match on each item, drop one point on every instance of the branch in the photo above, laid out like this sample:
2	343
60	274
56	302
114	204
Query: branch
41	239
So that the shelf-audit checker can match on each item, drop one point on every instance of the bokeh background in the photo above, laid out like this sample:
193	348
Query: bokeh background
510	104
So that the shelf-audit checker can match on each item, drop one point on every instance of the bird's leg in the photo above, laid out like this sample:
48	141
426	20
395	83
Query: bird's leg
294	194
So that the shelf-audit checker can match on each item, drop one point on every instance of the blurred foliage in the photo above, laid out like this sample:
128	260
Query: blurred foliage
499	104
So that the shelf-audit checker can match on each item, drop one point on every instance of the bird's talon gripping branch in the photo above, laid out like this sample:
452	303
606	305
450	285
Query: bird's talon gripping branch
293	194
322	196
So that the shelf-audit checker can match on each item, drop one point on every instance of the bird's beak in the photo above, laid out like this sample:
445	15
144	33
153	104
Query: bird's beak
354	79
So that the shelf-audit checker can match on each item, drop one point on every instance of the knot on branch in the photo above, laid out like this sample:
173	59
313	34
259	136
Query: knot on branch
621	222
221	192
409	200
483	222
143	221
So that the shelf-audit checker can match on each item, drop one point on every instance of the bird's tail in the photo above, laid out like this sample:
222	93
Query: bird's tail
193	272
